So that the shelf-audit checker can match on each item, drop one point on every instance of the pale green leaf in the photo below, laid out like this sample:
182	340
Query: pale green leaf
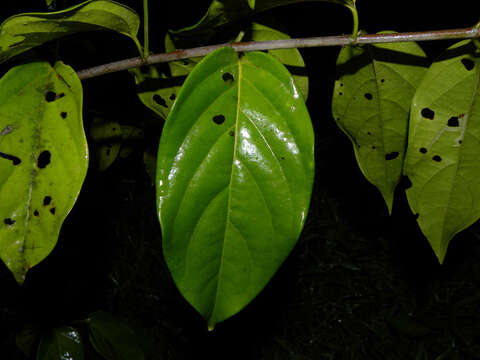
371	102
221	12
25	31
62	343
251	3
234	178
442	160
43	159
112	338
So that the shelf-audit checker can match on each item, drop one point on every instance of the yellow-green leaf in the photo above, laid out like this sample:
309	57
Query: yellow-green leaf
442	160
43	159
371	103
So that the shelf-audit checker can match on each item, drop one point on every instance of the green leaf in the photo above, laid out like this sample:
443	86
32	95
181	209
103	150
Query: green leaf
43	159
22	32
155	89
221	12
61	343
50	3
371	103
443	147
251	3
112	338
234	178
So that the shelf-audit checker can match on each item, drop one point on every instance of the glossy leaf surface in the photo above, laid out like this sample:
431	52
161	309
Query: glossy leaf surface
442	160
62	343
112	338
25	31
43	160
221	12
234	178
371	103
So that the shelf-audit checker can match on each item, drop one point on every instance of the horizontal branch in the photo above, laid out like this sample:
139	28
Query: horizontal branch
468	33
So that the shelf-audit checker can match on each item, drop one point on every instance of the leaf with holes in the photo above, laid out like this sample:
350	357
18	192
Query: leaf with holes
43	159
22	32
112	338
221	12
443	147
61	343
371	103
234	178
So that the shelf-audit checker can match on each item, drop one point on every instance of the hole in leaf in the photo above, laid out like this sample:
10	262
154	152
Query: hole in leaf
392	155
423	150
108	152
185	62
340	93
47	200
9	221
159	100
264	51
231	133
468	63
428	113
415	216
369	133
173	97
241	54
15	160
43	159
36	213
219	119
459	141
382	81
453	121
227	77
373	147
341	84
50	96
52	211
405	182
368	96
282	157
437	158
63	114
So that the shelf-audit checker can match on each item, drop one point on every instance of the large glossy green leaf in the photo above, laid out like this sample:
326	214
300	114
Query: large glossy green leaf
371	102
442	160
43	159
62	343
234	178
112	338
221	12
25	31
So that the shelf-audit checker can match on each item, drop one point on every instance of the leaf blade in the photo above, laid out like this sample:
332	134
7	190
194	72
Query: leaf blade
371	102
45	137
220	150
22	32
441	158
61	343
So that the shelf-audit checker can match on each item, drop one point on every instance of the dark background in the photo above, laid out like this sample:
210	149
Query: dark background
358	285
